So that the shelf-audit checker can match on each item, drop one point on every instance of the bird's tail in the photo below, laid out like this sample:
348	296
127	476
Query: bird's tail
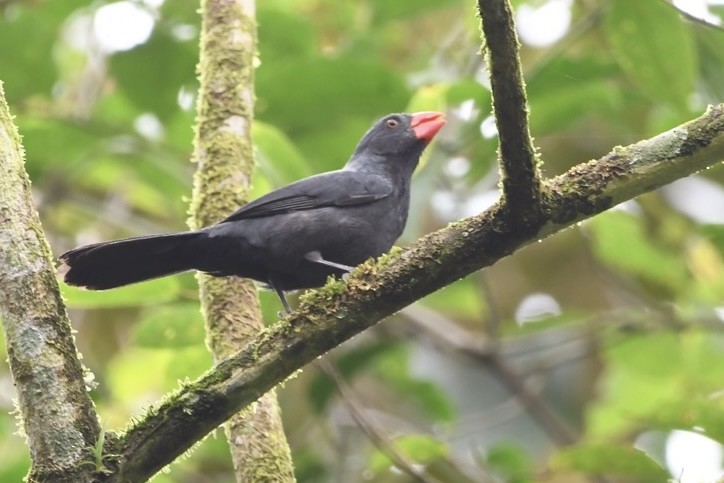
113	264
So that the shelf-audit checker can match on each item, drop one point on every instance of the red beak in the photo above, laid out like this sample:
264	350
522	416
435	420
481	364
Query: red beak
427	124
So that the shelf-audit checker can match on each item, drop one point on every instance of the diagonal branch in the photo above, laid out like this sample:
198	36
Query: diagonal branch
519	168
416	472
376	290
459	339
375	434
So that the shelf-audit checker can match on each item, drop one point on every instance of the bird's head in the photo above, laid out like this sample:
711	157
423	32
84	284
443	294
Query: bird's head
396	138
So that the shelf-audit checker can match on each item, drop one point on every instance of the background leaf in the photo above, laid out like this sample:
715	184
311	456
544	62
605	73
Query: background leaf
654	49
611	461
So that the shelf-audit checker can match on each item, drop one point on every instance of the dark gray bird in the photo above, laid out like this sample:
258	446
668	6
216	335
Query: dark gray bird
292	238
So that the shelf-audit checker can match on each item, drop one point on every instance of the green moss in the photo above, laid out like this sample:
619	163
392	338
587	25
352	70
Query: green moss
385	259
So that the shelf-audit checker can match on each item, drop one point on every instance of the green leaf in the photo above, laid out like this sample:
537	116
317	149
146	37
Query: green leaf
655	355
510	462
703	414
418	448
633	387
178	325
619	240
654	47
153	292
660	378
428	395
610	460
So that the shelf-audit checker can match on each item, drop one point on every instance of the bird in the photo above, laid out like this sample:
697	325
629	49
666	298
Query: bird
292	238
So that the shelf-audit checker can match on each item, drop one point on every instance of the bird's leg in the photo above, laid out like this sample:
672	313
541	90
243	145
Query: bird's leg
280	293
316	257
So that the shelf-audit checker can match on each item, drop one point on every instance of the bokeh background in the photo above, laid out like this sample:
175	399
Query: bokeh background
609	335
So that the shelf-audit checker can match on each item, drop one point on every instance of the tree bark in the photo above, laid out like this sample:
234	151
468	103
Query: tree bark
58	417
520	173
223	151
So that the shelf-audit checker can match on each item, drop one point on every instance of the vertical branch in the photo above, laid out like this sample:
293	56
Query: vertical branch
520	172
519	167
223	151
58	416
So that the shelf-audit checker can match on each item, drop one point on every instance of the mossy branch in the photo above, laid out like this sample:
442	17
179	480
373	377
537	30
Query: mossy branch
520	175
58	417
339	311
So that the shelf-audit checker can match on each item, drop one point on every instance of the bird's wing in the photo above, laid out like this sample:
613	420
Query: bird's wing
338	188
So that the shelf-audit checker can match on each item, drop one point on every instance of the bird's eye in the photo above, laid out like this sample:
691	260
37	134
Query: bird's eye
392	123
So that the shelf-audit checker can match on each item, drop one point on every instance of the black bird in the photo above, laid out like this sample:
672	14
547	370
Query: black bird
292	238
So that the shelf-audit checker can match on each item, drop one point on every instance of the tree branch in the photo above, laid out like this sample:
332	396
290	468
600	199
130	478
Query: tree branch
374	291
445	470
375	434
519	168
58	416
223	151
487	352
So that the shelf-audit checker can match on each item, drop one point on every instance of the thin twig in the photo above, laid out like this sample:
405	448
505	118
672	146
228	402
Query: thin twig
546	417
693	18
375	434
493	319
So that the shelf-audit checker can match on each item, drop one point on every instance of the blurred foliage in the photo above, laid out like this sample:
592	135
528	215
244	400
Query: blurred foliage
615	325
